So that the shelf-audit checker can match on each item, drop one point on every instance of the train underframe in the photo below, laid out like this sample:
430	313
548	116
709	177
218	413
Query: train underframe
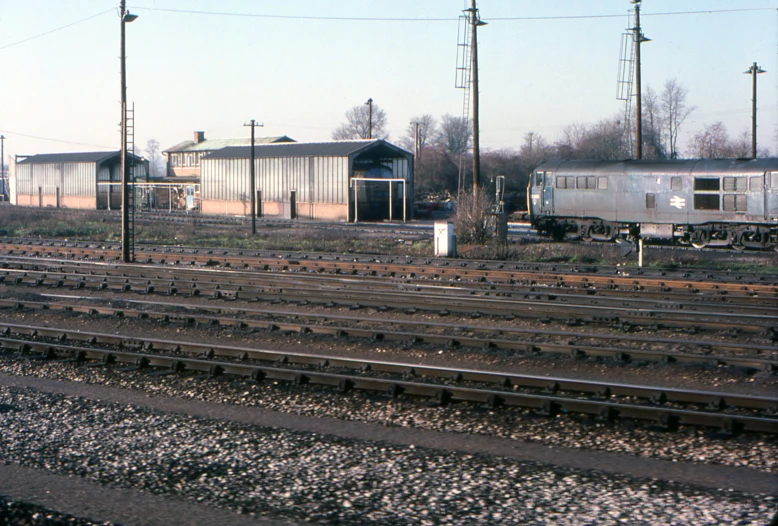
735	235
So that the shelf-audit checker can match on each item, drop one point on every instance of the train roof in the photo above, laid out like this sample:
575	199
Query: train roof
660	167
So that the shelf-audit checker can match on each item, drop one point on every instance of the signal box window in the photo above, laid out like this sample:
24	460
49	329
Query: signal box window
676	184
650	200
707	184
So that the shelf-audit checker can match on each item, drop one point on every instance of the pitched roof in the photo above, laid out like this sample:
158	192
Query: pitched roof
73	157
309	149
217	144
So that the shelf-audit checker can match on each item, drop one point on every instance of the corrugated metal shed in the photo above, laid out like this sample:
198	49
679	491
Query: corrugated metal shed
71	179
315	175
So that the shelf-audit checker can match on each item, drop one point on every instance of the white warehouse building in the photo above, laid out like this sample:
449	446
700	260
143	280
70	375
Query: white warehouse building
332	181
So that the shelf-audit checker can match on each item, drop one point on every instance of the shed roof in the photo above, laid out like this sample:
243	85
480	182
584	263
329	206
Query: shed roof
311	149
74	157
217	144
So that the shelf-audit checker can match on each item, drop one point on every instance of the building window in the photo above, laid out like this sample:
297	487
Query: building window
650	200
676	184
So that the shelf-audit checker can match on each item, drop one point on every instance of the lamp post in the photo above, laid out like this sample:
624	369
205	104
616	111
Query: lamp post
369	105
753	71
126	17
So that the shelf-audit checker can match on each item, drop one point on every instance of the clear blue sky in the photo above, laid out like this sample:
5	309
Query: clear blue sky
297	66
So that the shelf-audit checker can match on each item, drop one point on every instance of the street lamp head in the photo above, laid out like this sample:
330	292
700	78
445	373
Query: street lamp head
634	1
754	70
129	17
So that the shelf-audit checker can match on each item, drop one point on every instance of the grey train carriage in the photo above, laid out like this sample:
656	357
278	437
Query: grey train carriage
698	202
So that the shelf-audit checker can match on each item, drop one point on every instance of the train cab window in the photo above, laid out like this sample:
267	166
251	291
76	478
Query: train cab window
650	200
676	184
755	183
537	179
602	182
734	203
707	184
734	184
586	182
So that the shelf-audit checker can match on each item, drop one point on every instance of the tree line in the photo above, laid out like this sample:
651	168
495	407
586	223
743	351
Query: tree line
442	163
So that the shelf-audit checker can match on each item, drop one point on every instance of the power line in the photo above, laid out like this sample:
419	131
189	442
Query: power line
9	132
54	30
395	19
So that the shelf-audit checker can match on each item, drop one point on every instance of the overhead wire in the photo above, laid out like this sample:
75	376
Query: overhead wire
411	19
54	30
10	132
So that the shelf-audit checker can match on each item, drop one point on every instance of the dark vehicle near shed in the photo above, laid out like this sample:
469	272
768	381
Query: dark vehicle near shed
698	202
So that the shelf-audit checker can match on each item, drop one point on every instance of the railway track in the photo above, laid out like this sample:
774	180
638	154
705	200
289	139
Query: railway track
548	395
621	348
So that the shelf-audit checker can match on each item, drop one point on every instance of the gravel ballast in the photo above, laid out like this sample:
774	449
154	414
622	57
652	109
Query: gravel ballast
324	479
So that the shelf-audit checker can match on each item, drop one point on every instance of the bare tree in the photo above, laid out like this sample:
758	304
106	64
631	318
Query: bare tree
673	110
427	129
156	163
603	140
713	142
652	126
454	134
358	124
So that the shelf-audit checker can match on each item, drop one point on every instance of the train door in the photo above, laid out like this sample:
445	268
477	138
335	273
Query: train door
547	203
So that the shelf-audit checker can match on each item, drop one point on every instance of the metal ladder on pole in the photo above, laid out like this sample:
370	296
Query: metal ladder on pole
130	145
463	81
624	84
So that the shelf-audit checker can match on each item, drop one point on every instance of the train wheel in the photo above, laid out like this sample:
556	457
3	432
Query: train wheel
699	238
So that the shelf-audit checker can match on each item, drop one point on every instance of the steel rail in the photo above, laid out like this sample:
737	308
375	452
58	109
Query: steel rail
570	347
656	406
468	303
502	275
727	299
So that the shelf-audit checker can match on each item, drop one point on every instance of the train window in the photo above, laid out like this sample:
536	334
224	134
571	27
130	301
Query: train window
602	182
706	201
734	184
707	184
676	184
774	180
755	184
734	203
563	181
650	200
586	181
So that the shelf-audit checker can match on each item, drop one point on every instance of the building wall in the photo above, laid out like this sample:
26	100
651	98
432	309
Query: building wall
314	179
276	209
